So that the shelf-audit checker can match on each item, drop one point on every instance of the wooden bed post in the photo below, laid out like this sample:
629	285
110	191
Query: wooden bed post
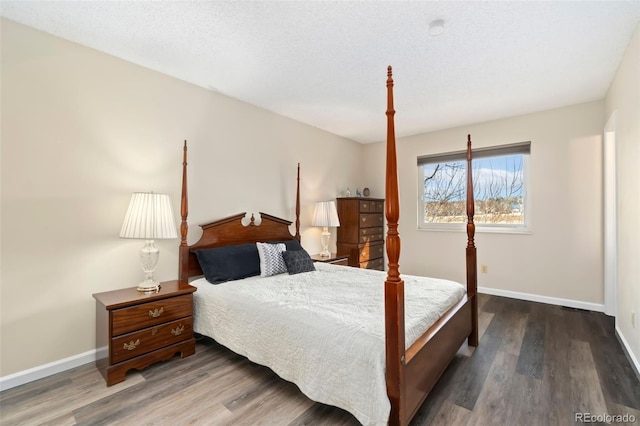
394	286
298	206
183	266
472	268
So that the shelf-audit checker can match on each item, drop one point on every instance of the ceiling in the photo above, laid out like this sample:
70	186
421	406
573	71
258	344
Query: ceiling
325	63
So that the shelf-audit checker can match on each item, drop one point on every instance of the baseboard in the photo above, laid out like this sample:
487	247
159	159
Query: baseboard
543	299
627	349
42	371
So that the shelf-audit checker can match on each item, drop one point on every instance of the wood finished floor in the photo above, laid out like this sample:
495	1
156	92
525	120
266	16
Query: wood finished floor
536	364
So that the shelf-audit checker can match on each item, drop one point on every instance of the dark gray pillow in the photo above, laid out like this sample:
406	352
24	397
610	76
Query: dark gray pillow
292	245
229	263
298	261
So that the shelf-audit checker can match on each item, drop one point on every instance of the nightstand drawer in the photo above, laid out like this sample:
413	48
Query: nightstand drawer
369	252
369	220
148	314
138	343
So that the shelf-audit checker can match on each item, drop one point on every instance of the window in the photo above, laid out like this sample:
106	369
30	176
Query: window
499	187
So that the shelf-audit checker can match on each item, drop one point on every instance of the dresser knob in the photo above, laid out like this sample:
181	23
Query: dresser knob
178	330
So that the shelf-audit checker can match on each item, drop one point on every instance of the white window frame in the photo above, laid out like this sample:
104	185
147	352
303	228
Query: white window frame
523	148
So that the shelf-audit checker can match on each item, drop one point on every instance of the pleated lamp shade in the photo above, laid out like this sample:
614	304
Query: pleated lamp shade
326	214
149	217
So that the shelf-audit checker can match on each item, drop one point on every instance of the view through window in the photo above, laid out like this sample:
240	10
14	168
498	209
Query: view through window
499	182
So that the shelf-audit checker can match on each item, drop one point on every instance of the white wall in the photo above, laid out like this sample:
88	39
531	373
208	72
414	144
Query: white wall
81	131
623	98
562	257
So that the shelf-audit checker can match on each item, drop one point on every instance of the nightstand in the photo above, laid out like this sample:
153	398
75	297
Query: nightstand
333	259
135	329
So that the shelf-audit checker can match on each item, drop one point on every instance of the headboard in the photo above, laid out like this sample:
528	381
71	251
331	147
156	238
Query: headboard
229	231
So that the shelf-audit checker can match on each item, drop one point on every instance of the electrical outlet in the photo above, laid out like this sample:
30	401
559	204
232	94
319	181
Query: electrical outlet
484	269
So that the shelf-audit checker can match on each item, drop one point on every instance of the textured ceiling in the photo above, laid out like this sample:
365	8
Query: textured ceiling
324	63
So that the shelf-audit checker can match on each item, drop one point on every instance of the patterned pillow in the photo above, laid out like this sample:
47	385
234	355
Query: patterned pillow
298	261
271	261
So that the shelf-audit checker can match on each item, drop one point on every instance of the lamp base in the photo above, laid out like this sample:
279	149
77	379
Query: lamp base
324	240
148	286
149	259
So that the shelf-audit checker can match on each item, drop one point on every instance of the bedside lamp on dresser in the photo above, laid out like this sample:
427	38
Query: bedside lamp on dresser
325	215
149	217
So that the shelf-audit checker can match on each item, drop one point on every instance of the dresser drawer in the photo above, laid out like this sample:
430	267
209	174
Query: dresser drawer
373	264
377	206
149	314
371	234
370	220
369	252
366	206
140	342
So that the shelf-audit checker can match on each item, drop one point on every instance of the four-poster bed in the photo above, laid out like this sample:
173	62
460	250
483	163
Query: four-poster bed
410	359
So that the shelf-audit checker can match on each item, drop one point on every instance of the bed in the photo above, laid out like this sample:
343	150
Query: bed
379	361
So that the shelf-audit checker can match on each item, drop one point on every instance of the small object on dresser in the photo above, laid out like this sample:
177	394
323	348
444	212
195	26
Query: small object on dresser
358	194
366	192
347	193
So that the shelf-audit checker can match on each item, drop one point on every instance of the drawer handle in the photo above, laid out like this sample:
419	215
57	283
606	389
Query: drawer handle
154	331
364	218
178	330
131	345
156	312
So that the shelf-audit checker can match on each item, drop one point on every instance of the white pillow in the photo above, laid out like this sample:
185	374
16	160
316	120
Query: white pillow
271	260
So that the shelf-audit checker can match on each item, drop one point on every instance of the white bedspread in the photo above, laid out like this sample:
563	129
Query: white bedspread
322	330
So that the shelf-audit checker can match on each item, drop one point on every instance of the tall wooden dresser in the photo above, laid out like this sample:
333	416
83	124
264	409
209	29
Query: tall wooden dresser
361	231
